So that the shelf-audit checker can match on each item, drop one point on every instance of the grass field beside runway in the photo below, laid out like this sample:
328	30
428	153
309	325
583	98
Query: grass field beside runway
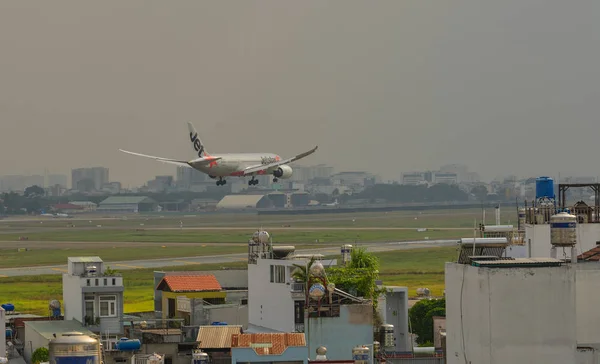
296	236
53	253
412	268
409	219
41	257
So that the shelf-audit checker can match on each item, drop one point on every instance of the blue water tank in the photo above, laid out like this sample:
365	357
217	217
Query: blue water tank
544	188
9	332
125	344
8	307
219	323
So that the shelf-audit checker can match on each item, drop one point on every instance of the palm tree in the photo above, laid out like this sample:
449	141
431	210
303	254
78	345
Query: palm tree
302	272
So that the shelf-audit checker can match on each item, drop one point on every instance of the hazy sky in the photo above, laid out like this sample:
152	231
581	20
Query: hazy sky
507	86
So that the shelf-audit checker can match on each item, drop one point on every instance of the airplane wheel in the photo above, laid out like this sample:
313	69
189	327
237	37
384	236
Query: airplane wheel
275	180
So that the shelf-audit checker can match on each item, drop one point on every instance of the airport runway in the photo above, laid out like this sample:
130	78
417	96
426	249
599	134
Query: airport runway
225	258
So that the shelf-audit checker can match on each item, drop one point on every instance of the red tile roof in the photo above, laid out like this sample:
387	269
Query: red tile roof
592	255
276	344
189	283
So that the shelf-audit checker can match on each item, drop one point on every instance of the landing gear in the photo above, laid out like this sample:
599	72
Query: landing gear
252	182
221	181
275	180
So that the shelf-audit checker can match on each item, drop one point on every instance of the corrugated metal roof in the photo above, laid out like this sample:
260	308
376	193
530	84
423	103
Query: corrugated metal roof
119	200
268	344
217	337
592	255
239	201
516	262
189	283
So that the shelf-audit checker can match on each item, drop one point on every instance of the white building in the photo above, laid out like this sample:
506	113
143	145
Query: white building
522	310
445	177
274	300
339	321
510	313
92	295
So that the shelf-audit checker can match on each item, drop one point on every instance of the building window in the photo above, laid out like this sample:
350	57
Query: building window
114	281
89	307
88	282
105	282
279	273
272	274
108	306
244	301
96	281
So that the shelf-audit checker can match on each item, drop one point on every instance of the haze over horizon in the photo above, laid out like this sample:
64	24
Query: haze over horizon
507	87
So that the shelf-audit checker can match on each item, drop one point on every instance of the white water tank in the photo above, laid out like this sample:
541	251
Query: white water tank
521	220
346	253
563	229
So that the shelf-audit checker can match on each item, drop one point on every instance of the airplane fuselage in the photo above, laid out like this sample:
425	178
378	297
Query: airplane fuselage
233	164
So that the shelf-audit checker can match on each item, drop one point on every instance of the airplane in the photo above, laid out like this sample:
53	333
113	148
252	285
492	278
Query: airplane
334	203
232	164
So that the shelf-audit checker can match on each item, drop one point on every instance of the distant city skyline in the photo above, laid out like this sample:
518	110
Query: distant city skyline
503	87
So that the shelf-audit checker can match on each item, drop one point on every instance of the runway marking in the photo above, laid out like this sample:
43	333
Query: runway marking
186	262
129	266
60	270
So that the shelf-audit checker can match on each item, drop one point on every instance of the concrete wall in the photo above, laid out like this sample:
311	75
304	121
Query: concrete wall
72	298
270	304
510	315
587	303
33	341
340	334
248	355
396	313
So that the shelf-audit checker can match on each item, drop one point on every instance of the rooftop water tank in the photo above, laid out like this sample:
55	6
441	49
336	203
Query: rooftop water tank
346	253
74	348
199	357
125	344
544	188
8	307
563	229
360	355
386	332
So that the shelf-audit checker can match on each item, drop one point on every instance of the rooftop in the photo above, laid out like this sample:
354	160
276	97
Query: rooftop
189	283
114	200
48	328
217	337
592	255
84	259
268	344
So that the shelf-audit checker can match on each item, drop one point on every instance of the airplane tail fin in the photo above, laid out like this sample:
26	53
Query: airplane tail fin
196	142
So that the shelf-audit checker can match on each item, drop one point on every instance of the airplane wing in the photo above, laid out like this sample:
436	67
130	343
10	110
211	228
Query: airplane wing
160	159
262	167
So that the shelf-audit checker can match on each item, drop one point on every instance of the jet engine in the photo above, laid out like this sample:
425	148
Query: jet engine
283	171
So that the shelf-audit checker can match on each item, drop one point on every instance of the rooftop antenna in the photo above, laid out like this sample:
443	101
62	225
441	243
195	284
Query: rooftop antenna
474	234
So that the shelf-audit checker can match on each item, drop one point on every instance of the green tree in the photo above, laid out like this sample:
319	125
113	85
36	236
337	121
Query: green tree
34	191
40	355
421	318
